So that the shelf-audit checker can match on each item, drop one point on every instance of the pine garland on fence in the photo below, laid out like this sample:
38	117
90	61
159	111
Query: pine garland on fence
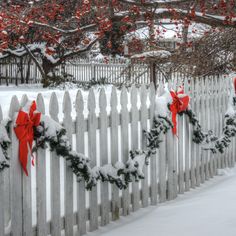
4	144
119	174
215	144
161	125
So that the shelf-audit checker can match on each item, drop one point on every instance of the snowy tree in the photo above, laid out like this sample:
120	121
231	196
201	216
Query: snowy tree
51	32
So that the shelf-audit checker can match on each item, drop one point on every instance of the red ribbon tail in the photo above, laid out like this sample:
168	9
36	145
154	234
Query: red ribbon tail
174	129
23	151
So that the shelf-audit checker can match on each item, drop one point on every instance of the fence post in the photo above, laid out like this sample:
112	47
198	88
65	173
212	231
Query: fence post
15	175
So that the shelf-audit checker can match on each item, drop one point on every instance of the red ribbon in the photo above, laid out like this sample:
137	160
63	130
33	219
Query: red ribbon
25	133
179	104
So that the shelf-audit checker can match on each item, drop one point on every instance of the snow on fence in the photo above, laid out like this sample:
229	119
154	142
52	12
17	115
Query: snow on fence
115	71
50	201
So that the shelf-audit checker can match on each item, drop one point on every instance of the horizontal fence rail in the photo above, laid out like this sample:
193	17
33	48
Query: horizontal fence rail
51	201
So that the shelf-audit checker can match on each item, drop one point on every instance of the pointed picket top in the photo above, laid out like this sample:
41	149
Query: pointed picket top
1	115
40	103
91	100
123	97
113	101
143	94
24	100
53	106
67	107
79	102
134	94
14	106
102	100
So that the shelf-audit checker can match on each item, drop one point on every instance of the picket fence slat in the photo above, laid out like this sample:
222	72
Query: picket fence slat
125	145
192	147
2	194
105	207
114	152
134	143
153	161
202	120
92	127
180	154
187	143
80	147
26	188
197	147
41	181
16	176
161	164
55	175
144	119
68	179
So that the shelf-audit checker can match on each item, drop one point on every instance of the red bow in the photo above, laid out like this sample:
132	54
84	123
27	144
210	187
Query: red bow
25	133
179	104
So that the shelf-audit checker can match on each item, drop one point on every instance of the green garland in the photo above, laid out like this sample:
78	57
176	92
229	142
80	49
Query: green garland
216	144
119	174
4	145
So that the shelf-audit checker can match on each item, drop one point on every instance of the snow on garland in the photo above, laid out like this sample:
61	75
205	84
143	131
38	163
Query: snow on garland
52	133
4	144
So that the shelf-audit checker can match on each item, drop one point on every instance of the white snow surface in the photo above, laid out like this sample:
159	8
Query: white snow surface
204	211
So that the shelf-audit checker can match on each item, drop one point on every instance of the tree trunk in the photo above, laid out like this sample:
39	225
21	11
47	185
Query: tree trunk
22	79
153	74
47	66
28	71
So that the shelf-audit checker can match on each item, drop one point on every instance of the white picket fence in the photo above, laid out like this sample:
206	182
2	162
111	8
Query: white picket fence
50	201
115	71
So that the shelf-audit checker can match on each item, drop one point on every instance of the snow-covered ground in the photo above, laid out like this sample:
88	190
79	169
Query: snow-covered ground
208	210
6	93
